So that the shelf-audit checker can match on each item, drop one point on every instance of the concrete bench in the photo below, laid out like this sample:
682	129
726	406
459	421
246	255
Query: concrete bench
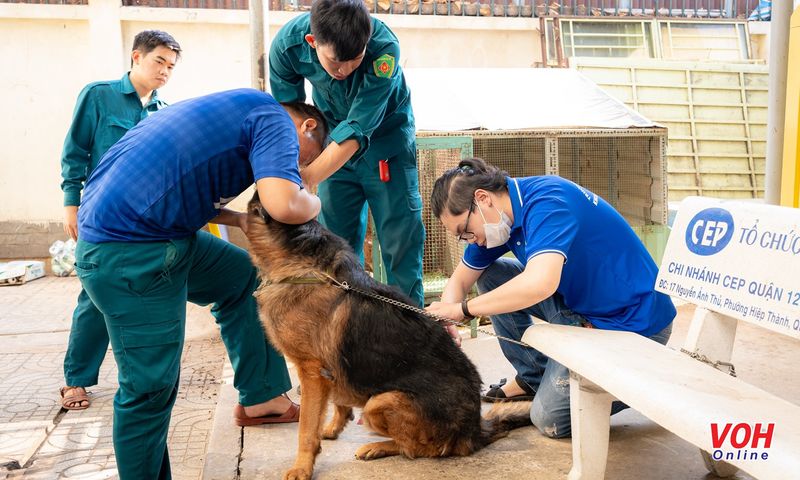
735	424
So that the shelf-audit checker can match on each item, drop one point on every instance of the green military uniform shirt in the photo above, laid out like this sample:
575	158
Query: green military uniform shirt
372	105
104	112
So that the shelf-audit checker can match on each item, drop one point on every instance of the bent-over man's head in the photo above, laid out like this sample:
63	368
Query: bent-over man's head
312	130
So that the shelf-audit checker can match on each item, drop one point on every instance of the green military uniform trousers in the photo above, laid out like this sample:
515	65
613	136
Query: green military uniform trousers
142	290
88	342
396	208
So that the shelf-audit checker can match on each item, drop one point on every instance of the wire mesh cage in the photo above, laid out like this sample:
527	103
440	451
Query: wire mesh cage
627	171
442	251
627	167
624	166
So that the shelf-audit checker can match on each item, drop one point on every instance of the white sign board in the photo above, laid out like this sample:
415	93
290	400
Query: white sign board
739	259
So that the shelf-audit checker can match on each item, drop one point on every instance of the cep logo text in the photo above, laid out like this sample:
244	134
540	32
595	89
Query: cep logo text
709	231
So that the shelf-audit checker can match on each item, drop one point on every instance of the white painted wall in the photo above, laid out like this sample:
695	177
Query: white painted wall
49	52
43	66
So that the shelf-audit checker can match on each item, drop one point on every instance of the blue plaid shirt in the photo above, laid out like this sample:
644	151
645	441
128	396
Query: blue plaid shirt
174	171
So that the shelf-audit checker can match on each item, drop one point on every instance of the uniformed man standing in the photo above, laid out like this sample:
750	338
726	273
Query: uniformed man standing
352	63
104	112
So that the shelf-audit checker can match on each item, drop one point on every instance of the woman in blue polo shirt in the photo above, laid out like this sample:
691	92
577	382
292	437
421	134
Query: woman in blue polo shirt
576	262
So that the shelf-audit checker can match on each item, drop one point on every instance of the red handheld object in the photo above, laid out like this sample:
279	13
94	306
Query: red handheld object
383	170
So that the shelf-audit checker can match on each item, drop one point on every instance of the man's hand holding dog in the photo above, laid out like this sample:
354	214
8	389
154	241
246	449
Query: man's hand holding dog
242	218
451	311
327	163
231	218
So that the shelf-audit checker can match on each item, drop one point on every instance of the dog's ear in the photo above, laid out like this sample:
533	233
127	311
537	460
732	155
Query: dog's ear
254	206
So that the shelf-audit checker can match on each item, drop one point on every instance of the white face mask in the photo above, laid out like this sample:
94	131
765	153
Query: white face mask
496	233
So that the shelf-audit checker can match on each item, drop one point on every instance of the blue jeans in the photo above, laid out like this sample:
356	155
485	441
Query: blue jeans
550	379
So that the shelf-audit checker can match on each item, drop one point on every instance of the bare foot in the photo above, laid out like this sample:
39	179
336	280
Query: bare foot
276	406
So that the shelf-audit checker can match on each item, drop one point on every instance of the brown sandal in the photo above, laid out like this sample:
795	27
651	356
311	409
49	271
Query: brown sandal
72	401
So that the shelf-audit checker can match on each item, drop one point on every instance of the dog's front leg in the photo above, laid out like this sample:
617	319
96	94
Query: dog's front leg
315	390
341	416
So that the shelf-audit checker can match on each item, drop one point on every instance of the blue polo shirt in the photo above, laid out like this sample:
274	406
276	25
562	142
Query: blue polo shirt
174	171
608	275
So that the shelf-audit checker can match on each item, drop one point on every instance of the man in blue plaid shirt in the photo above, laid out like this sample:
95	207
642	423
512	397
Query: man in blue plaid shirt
141	257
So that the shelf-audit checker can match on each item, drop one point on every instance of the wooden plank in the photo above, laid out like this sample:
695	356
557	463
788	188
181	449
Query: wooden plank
669	66
693	130
607	35
612	47
680	86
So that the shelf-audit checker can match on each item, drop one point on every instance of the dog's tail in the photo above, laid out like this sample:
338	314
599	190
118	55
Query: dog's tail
504	417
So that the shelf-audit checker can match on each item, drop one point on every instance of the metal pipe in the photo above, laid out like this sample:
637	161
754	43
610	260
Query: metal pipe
259	45
776	105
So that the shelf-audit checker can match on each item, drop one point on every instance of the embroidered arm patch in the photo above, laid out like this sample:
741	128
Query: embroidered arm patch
384	66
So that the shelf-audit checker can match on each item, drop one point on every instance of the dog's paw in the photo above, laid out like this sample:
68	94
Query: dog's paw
367	452
297	474
371	451
331	432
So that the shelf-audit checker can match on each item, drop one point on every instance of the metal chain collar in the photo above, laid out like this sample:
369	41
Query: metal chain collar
345	286
715	364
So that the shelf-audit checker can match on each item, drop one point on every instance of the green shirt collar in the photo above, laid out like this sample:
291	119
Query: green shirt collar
126	87
307	54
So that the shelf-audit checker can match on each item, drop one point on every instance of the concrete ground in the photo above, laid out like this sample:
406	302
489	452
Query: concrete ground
39	440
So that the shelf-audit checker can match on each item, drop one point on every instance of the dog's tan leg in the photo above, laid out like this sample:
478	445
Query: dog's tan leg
341	416
395	415
315	398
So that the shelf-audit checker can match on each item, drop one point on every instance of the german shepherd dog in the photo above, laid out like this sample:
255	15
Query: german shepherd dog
413	383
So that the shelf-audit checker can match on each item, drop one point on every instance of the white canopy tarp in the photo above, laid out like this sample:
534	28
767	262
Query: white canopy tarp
448	99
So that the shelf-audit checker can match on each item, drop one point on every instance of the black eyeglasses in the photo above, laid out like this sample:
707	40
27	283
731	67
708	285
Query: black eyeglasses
466	235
